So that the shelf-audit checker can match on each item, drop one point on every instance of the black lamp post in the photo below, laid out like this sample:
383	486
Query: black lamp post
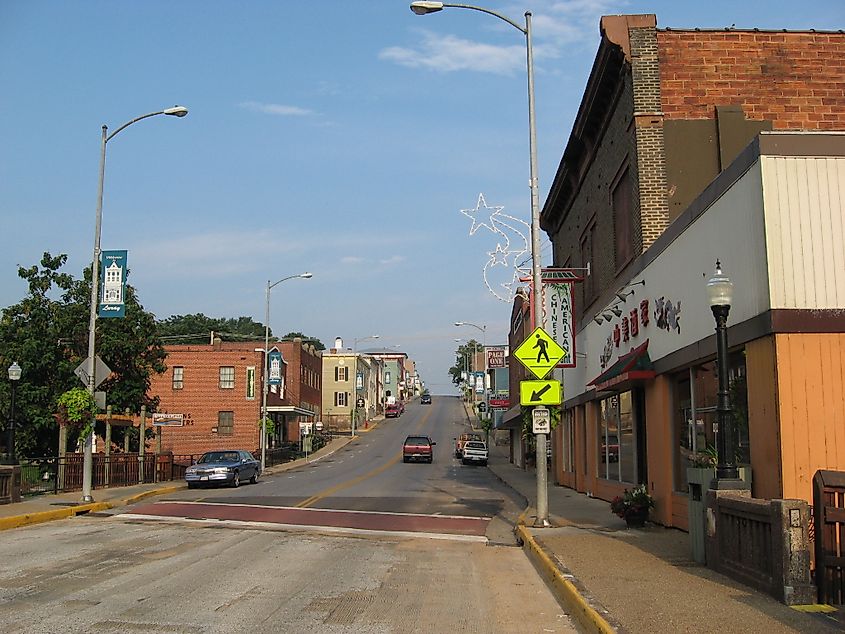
720	293
14	377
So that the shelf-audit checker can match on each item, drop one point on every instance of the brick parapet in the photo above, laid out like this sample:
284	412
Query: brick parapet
794	79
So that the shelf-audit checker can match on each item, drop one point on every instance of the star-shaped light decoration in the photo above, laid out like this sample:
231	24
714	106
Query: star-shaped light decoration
487	215
500	255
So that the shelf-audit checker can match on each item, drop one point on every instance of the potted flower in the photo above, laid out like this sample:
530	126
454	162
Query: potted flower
633	506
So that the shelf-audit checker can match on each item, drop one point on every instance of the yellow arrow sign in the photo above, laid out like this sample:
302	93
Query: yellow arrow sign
539	393
539	353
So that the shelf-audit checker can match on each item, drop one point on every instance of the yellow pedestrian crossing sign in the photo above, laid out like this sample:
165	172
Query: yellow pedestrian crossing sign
539	353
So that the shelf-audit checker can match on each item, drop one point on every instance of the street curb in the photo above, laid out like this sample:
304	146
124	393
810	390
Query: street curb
145	494
578	606
16	521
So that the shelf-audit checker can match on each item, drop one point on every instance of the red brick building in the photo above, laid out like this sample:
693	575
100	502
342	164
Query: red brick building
217	388
669	162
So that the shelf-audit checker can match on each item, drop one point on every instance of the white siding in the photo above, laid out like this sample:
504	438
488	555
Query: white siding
805	227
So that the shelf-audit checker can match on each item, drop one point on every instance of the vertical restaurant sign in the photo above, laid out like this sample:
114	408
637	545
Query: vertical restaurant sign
275	361
558	304
112	284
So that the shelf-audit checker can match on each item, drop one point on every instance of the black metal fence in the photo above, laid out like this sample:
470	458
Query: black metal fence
59	475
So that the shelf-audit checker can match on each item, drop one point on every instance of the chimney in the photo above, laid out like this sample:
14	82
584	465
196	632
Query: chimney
217	343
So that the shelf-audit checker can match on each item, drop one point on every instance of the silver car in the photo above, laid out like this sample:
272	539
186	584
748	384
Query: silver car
223	467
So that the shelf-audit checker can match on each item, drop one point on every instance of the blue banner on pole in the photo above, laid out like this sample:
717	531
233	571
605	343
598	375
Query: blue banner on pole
275	360
112	284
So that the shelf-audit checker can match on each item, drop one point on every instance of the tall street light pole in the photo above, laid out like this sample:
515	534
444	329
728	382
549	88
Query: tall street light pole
88	458
266	381
483	329
719	295
14	377
355	379
422	8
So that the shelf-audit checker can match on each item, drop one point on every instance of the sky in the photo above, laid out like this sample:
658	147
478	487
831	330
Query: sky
337	137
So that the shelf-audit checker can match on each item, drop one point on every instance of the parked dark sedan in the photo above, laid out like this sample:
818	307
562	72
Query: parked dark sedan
425	399
223	467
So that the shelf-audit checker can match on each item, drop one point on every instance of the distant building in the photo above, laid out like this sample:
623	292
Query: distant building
218	389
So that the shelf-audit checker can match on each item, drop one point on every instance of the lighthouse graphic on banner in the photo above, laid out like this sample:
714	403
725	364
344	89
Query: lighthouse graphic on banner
113	284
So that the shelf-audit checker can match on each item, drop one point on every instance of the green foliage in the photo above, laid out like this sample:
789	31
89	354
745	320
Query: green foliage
78	406
313	340
632	502
47	334
462	355
271	427
197	328
528	419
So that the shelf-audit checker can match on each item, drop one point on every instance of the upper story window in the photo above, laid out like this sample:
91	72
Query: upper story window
178	377
590	285
622	199
227	377
341	374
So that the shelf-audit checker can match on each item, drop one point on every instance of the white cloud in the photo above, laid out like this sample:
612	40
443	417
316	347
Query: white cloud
395	259
450	53
275	109
555	25
352	259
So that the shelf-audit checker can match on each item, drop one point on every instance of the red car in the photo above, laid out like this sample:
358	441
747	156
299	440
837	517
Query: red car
418	448
392	411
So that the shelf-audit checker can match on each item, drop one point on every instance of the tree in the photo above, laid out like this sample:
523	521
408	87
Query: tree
197	328
49	339
293	335
464	352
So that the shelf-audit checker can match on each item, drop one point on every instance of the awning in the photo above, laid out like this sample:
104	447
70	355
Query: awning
511	419
290	410
629	369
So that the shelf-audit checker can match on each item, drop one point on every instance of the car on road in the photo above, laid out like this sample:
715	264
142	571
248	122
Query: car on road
228	466
418	449
425	399
391	410
463	438
474	452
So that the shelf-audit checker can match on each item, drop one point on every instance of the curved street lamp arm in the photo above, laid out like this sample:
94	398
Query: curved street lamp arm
135	120
489	11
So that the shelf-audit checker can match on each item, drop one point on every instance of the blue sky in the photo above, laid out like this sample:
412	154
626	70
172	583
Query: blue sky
338	137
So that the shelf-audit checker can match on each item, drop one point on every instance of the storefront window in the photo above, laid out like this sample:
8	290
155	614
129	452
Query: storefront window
617	448
695	414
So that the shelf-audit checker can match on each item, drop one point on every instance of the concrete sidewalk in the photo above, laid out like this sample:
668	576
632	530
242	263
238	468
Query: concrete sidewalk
637	580
45	508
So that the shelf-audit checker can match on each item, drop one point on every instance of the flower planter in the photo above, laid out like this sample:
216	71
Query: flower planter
636	519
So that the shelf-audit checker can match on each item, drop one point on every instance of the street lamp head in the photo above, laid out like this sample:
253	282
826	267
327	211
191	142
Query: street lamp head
14	372
176	111
607	316
459	323
719	288
306	275
424	7
616	311
598	319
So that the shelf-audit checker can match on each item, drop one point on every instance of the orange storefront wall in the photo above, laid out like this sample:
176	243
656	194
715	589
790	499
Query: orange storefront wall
810	376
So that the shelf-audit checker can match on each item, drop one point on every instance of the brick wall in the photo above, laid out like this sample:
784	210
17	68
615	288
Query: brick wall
615	149
796	80
201	397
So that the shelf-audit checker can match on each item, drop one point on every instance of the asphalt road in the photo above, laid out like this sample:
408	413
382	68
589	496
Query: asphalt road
190	572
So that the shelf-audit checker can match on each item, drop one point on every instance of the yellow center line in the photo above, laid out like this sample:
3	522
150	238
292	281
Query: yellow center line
350	483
